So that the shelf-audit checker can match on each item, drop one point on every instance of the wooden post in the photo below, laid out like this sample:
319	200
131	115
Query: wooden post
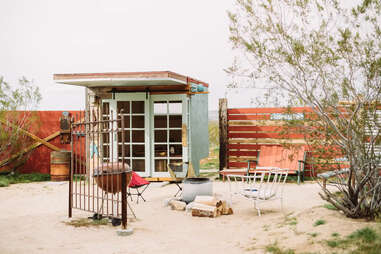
223	131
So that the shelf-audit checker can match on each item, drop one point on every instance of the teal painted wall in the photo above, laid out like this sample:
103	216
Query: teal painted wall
199	129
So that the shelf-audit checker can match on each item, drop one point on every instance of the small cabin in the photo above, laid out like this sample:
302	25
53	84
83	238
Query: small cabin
165	117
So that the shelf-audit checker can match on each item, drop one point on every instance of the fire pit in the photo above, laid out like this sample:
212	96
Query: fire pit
109	176
193	187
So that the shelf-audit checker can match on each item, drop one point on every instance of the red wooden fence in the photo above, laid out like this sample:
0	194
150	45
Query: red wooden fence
244	131
39	159
249	129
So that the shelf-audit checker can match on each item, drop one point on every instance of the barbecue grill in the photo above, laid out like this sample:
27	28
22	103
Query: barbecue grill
109	176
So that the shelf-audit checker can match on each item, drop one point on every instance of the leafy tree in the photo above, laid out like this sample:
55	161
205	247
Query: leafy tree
325	54
16	105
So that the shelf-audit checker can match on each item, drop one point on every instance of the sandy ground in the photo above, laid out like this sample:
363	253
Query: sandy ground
32	221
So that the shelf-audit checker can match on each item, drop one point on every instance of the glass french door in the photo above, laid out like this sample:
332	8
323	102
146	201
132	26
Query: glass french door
136	131
168	115
153	130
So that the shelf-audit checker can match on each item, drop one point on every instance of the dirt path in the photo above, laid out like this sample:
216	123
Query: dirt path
32	221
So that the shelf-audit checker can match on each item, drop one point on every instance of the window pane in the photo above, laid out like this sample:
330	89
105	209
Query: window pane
160	122
160	107
126	122
138	136
106	108
137	107
175	107
126	136
175	121
175	150
138	165
138	151
105	125
106	151
160	150
106	137
160	136
175	136
138	122
160	165
177	165
125	105
126	151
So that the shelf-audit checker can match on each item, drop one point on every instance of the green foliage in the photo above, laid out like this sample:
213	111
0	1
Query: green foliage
325	57
84	222
214	137
291	220
330	207
26	96
333	243
314	234
212	162
6	180
366	235
78	178
362	241
319	222
16	117
275	249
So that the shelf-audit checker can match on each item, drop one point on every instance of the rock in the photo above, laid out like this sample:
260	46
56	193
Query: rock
167	200
177	205
125	232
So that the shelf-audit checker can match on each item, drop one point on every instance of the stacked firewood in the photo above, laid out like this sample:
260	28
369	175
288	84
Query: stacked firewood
210	206
203	206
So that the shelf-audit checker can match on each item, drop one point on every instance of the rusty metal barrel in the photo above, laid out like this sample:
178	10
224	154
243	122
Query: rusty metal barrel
60	165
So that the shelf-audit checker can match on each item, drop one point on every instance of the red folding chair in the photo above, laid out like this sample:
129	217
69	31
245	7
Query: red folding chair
138	184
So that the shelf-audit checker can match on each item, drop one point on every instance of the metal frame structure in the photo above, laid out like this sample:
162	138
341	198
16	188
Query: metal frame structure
98	179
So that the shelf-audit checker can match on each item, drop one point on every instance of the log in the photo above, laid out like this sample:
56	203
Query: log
226	208
201	210
208	200
177	205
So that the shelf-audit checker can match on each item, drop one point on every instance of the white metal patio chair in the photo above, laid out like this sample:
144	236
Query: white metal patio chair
261	186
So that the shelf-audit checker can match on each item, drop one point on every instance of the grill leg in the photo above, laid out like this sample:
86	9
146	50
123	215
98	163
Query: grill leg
101	208
132	211
179	190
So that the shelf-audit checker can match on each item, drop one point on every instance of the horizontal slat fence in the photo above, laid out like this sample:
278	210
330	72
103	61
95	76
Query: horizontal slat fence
243	131
250	128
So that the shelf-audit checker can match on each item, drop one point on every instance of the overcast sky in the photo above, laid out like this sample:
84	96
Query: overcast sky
39	38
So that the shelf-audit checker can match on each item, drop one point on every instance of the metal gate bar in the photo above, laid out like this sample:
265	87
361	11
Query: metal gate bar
96	167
